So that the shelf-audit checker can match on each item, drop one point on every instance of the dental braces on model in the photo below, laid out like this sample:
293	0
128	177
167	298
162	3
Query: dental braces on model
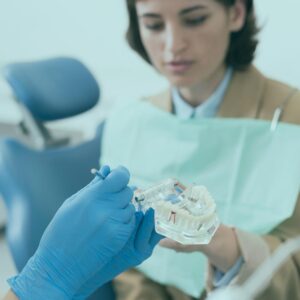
186	215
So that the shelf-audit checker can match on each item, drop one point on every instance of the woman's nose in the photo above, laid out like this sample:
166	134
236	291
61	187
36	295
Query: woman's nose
175	41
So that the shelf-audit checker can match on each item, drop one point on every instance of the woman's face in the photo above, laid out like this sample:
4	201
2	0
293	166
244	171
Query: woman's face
187	40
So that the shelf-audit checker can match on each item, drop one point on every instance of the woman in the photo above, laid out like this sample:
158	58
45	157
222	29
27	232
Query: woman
205	49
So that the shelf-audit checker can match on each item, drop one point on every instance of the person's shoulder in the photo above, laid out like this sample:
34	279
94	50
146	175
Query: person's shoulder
291	111
275	94
285	96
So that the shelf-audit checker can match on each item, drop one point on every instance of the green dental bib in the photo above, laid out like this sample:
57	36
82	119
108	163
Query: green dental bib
252	173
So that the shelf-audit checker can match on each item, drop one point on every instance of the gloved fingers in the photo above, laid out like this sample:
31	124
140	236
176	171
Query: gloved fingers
124	215
116	180
144	231
131	223
104	171
155	238
91	184
133	187
138	219
113	202
122	198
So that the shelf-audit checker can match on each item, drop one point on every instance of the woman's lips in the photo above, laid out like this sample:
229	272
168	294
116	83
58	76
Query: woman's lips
179	67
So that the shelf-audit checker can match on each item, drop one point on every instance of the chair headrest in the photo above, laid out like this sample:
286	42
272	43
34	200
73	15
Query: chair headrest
53	89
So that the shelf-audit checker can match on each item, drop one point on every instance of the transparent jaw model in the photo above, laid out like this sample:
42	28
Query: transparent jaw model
186	215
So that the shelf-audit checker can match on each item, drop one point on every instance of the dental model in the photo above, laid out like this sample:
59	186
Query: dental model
186	215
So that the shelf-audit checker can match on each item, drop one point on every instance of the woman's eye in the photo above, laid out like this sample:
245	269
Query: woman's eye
195	21
154	27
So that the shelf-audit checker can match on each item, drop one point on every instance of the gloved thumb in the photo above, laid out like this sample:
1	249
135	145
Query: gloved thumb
104	171
116	180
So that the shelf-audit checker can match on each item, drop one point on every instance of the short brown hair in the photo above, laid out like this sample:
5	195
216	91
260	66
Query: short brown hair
242	43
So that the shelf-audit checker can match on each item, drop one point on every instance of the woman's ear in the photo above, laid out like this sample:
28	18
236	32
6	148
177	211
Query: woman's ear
237	15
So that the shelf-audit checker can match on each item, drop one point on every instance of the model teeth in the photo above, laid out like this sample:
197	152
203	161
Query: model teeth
179	217
186	215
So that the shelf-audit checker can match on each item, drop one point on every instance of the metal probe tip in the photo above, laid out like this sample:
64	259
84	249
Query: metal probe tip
97	173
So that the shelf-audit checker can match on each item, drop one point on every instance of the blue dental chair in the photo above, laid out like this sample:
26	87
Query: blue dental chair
35	178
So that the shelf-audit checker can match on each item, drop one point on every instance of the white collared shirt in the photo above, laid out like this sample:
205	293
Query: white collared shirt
206	109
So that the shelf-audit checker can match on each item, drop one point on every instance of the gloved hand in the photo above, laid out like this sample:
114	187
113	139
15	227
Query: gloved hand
88	230
139	247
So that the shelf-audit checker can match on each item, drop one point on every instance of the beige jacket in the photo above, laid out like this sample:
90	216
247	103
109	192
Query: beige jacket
249	95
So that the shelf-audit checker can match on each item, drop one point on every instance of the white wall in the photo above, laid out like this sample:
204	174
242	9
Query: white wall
90	30
94	32
279	51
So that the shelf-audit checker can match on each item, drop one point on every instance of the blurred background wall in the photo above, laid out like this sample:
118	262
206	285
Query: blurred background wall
93	31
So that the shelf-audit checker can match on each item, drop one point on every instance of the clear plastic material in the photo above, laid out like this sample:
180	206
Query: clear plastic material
186	215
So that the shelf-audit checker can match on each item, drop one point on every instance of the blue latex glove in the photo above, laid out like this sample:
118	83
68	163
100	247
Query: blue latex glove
88	230
139	247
